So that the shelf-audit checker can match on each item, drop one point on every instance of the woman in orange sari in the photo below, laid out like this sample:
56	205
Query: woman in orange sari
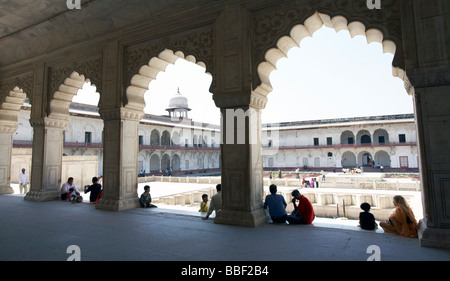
402	221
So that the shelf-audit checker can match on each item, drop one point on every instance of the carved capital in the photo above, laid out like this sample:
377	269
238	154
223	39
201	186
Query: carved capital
231	100
8	127
49	122
121	114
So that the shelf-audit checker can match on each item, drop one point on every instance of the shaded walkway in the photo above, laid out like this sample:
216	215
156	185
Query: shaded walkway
43	231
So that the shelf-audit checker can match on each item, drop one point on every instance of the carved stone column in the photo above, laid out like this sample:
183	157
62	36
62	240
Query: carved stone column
46	162
433	134
242	165
7	130
120	163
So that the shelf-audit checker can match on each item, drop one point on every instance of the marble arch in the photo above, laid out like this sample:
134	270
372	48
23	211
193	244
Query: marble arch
10	106
9	112
62	98
147	73
311	25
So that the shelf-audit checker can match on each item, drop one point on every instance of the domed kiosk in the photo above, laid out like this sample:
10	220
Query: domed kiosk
178	106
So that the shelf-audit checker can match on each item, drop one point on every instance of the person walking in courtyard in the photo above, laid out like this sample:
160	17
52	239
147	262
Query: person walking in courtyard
304	212
23	182
65	188
402	221
277	205
95	190
216	202
366	219
204	204
146	199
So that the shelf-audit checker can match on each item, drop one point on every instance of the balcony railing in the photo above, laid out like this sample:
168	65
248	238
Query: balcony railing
339	146
76	145
177	147
86	145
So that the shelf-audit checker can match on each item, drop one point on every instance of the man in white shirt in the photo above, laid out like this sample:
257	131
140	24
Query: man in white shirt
216	202
65	188
23	182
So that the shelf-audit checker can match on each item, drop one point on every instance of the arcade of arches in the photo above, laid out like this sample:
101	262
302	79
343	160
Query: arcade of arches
123	48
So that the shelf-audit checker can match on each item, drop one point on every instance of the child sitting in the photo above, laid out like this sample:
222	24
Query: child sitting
204	204
73	196
146	199
366	219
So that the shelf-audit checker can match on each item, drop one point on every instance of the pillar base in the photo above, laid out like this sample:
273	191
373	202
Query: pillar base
240	218
41	196
6	190
117	204
434	237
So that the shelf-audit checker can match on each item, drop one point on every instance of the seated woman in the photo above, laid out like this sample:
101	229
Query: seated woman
402	221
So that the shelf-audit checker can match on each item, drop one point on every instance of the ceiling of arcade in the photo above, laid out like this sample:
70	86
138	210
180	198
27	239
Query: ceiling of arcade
30	29
49	25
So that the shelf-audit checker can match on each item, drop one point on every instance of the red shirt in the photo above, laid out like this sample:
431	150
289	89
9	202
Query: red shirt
305	209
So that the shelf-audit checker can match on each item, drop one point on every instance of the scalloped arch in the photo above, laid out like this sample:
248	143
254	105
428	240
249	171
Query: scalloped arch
147	73
10	107
62	98
311	25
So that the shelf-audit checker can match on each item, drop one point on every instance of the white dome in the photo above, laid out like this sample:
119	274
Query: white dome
178	101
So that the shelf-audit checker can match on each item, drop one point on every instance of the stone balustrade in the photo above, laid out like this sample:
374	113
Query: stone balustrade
327	202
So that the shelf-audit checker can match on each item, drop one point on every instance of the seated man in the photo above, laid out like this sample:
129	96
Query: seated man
65	188
276	204
304	212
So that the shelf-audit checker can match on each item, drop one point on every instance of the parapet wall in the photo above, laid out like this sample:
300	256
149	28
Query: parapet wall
326	201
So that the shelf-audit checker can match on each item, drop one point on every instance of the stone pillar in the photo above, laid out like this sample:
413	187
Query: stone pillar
242	165
120	159
432	118
46	162
6	145
425	42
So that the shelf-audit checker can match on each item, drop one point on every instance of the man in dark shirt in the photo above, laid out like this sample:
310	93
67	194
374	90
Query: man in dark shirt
94	189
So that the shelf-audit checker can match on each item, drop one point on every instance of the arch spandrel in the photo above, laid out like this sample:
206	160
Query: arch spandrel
311	25
357	19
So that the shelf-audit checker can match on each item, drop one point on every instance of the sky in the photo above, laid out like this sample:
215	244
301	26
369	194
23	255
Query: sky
330	75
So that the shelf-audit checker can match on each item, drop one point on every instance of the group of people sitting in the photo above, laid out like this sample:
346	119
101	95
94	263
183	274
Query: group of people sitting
303	213
401	222
69	191
145	201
